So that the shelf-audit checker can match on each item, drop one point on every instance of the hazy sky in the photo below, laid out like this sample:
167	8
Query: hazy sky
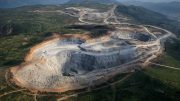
151	0
68	0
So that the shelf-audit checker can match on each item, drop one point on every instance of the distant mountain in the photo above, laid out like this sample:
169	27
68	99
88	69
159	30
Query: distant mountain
141	15
171	9
92	1
17	3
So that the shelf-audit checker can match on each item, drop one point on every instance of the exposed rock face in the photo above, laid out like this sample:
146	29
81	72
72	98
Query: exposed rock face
6	30
80	62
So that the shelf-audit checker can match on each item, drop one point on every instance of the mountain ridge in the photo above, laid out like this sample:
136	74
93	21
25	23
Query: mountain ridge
171	9
19	3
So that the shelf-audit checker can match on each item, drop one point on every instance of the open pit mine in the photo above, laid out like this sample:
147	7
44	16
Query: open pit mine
73	61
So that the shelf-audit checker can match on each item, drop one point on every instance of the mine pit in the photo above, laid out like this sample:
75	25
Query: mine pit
70	63
77	61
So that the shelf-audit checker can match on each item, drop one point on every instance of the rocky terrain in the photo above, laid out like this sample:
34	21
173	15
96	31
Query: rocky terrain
5	30
72	62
